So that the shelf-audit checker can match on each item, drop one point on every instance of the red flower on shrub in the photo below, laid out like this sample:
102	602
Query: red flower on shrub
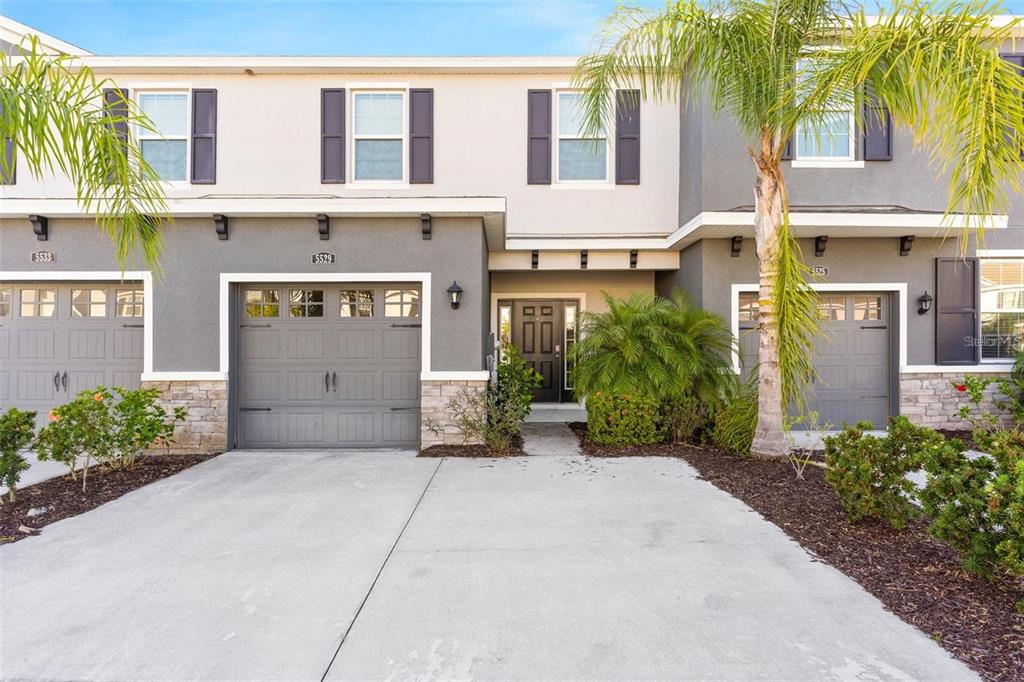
53	416
961	387
98	397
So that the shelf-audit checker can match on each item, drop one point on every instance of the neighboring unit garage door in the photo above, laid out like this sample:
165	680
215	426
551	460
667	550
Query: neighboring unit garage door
57	340
328	366
852	356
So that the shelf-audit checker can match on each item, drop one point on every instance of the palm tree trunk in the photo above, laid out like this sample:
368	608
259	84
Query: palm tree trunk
769	193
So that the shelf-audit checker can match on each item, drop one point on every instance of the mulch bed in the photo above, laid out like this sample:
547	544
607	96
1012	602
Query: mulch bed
966	435
60	497
914	576
481	451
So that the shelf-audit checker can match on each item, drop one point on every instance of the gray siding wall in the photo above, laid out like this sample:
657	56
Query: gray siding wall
187	301
690	275
850	261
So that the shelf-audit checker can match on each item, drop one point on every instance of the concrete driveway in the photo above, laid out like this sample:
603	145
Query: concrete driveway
381	565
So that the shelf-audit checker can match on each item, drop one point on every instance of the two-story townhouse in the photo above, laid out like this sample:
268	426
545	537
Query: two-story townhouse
352	237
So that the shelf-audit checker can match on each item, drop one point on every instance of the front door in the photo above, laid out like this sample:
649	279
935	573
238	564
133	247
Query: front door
537	331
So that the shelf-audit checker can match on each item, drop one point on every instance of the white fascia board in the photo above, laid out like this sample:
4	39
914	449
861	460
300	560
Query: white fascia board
591	244
261	206
325	64
984	368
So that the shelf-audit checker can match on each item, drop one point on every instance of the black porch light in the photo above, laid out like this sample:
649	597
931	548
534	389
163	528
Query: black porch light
925	301
455	295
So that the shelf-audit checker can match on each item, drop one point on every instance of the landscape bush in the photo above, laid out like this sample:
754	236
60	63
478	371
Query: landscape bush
623	419
869	473
110	428
686	420
17	431
977	503
735	421
495	415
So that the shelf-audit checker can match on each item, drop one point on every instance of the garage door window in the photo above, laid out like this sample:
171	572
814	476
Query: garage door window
832	308
306	303
128	303
38	302
867	308
356	303
88	303
401	303
262	303
5	302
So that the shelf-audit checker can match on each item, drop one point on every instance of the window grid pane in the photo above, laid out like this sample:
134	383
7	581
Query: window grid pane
832	308
378	159
828	138
583	159
262	303
88	303
570	341
38	302
168	111
749	307
1002	308
306	303
167	157
356	303
128	303
401	303
867	308
6	296
378	113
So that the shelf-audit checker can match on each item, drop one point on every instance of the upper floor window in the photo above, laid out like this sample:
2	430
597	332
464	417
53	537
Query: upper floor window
166	148
830	136
580	157
1002	308
378	135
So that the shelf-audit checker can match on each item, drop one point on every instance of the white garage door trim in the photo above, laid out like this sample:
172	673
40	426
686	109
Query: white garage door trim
422	278
900	288
144	276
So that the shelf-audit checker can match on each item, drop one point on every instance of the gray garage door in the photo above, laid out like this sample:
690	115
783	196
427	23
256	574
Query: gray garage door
328	366
852	357
57	340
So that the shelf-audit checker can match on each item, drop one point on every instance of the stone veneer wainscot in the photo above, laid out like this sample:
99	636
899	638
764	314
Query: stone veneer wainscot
205	429
930	399
435	395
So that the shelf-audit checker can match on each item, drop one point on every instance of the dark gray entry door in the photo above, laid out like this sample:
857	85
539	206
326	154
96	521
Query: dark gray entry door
328	366
852	356
537	331
59	339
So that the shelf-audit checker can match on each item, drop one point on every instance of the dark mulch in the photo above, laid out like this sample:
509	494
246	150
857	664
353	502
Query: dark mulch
58	498
966	435
913	575
468	451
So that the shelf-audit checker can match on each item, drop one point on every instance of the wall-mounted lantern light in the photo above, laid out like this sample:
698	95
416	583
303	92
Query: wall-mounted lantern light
925	301
455	295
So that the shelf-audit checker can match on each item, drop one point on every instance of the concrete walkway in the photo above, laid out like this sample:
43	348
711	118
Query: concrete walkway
382	565
549	439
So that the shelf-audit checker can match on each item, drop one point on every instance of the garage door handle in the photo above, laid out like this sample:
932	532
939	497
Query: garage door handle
867	326
254	409
56	381
64	380
251	325
132	326
327	381
334	381
404	409
415	326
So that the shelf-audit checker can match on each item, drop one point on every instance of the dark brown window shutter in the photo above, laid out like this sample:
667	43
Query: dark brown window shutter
538	131
421	136
956	311
8	171
115	105
1018	61
877	133
627	137
332	135
204	137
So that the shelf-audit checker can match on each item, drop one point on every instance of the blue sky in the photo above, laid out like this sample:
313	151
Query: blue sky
350	27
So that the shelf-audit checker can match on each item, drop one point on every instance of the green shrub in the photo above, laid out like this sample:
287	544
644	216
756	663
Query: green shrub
656	347
686	420
869	473
621	419
977	505
17	429
495	415
735	421
109	428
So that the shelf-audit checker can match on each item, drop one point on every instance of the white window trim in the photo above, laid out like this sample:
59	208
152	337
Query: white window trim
609	164
848	161
379	184
141	135
839	163
981	310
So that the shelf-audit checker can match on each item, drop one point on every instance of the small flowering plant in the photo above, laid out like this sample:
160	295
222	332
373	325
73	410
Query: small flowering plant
974	389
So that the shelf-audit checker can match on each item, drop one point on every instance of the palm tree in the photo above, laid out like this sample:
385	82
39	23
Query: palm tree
776	64
53	115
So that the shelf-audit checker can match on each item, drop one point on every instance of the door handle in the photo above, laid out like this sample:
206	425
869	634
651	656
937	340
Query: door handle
327	382
254	409
334	381
56	380
64	380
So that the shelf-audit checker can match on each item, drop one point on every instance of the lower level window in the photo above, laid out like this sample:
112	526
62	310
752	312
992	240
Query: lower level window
356	303
306	303
38	302
128	303
401	303
262	303
1002	308
88	303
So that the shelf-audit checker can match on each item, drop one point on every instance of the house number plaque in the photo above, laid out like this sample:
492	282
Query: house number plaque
324	258
44	257
820	270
